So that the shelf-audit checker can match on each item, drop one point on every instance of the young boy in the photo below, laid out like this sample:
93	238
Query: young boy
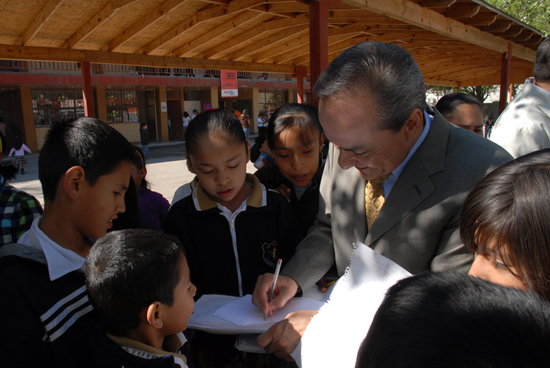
45	314
139	282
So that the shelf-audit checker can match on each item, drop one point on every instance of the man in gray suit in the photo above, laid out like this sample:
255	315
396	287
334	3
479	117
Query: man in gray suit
372	109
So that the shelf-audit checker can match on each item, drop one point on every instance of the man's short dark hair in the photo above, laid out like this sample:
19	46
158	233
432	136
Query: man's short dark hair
456	321
87	142
384	72
542	62
128	270
448	103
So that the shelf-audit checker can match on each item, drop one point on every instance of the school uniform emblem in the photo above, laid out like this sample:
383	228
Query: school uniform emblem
270	253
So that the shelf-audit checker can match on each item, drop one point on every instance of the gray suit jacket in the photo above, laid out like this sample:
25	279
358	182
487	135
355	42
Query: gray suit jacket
418	225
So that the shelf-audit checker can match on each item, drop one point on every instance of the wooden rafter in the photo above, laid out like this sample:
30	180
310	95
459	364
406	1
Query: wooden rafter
150	18
209	37
278	24
108	11
38	22
272	41
462	11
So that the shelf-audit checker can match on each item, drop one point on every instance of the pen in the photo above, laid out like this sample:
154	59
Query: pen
277	269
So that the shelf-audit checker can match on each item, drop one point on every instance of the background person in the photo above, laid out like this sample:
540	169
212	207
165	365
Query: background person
463	110
524	126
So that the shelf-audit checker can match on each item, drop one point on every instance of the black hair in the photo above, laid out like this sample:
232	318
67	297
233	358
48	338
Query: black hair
448	103
185	114
305	117
131	218
541	70
213	122
509	212
456	321
385	73
128	270
138	160
87	142
17	143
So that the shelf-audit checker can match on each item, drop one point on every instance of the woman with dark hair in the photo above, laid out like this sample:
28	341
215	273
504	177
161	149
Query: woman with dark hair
505	222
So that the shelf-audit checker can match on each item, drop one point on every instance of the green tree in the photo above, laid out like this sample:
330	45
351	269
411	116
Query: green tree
480	92
533	12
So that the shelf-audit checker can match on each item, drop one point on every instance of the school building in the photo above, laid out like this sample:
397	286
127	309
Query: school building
33	94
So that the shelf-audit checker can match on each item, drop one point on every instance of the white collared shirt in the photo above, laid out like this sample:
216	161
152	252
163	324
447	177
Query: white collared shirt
61	261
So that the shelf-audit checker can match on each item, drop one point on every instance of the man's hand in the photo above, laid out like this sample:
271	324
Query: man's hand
285	290
283	337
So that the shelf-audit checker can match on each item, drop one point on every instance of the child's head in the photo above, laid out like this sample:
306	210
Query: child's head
295	137
185	114
217	152
446	319
86	142
505	221
139	170
87	162
143	125
139	279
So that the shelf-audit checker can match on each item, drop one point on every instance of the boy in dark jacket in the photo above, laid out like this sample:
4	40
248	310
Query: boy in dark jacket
45	314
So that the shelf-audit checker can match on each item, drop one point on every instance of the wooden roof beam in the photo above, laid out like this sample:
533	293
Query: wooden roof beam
289	56
42	17
279	24
462	11
436	4
198	17
275	41
217	31
425	18
255	21
108	11
498	26
481	19
14	52
162	10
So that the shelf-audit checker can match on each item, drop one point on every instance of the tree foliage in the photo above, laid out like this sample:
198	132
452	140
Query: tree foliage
533	12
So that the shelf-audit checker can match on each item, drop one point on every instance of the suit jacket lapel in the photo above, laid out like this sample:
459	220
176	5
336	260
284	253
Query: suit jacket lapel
414	184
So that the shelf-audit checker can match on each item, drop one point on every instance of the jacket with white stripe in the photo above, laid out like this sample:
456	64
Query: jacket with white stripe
43	323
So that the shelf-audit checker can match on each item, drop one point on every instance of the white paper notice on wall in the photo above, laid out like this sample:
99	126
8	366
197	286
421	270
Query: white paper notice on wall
163	107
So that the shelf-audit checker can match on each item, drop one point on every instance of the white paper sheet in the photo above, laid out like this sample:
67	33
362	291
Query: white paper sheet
242	312
334	336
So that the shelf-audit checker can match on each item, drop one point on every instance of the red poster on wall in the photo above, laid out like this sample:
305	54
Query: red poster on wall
229	83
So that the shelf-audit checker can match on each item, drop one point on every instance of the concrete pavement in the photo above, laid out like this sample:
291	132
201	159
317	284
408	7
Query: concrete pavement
166	171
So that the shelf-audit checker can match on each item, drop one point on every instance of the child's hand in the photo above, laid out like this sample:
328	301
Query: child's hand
284	190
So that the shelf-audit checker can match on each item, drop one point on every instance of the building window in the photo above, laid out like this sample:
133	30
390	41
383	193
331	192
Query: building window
56	105
122	106
270	101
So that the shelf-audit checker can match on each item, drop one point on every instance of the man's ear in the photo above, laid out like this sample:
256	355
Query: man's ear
189	164
414	125
154	315
73	181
